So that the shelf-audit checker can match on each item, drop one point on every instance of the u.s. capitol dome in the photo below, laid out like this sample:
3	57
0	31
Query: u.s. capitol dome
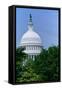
31	41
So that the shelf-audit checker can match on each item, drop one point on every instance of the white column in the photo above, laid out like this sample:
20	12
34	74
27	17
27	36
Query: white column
33	58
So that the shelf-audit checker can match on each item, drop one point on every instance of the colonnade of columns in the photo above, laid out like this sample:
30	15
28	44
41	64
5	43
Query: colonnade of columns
31	57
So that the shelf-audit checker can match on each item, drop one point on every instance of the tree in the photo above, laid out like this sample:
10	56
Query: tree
54	63
28	72
47	64
20	56
45	67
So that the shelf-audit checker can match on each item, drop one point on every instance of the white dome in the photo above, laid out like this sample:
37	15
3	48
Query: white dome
31	41
30	38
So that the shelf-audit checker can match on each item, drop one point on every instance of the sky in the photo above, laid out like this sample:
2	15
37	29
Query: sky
45	24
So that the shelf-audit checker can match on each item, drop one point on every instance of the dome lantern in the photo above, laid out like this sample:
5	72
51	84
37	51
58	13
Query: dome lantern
30	18
30	23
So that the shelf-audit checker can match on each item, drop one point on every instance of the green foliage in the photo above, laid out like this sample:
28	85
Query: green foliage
20	56
45	67
47	64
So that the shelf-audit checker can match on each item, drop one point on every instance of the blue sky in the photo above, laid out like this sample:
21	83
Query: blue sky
45	24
